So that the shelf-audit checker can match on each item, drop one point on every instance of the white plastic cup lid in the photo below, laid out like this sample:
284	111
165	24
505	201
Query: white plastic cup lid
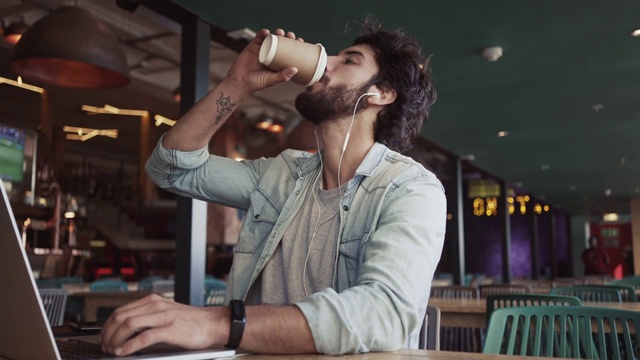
268	50
322	64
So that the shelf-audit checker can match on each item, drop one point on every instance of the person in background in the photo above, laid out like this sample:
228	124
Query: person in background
339	247
596	260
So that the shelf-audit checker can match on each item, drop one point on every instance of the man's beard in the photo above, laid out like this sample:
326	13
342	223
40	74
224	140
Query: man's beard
330	103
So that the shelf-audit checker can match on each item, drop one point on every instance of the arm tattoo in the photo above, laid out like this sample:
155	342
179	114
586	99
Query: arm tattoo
224	107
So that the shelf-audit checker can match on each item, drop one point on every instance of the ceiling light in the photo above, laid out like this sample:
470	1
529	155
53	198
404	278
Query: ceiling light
176	95
71	48
163	120
545	167
607	192
635	33
20	84
468	157
14	31
492	53
610	217
108	109
572	187
84	134
503	133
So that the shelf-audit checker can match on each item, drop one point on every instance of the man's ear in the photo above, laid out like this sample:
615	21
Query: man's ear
386	96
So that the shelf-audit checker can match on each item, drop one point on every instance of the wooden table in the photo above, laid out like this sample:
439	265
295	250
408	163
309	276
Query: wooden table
473	312
403	354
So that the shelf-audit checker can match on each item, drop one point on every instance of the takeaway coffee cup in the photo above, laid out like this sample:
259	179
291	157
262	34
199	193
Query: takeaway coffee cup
279	52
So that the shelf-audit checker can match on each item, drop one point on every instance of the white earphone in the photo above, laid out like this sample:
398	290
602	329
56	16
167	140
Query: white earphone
346	139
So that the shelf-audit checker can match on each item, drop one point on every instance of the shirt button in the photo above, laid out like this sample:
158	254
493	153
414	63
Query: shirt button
345	208
257	216
297	192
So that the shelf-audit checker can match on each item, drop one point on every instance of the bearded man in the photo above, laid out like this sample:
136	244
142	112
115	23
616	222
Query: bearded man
338	248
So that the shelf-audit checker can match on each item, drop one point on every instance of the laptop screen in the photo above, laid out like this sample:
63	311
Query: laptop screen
25	331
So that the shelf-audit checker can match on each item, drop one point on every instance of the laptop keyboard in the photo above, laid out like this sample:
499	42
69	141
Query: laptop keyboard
81	350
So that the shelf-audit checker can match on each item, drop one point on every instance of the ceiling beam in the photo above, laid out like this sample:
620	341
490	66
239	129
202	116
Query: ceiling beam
180	15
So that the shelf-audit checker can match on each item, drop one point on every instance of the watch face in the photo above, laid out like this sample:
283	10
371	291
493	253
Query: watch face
237	310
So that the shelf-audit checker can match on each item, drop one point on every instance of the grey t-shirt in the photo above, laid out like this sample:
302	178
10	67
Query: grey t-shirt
303	263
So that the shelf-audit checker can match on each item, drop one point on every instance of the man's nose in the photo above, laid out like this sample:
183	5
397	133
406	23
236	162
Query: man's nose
331	63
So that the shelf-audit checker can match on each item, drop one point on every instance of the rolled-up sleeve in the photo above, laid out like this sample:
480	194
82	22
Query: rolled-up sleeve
396	264
200	175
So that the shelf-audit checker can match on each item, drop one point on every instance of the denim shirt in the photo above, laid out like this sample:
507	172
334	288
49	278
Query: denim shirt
392	226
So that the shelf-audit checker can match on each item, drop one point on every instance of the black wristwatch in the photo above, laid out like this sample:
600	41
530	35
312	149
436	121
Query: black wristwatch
238	321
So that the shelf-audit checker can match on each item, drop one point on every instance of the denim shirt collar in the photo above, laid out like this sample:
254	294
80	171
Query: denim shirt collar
367	167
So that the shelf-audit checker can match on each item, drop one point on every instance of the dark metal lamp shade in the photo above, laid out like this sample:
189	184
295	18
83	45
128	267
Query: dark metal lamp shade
15	30
71	48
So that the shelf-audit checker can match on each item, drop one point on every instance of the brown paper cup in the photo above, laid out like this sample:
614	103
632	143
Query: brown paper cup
279	52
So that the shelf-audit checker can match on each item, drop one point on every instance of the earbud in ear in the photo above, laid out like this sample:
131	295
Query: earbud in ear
372	94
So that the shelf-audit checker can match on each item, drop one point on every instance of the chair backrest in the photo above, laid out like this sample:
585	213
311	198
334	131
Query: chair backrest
109	286
454	292
590	293
565	332
215	290
145	284
627	293
500	301
632	281
163	286
54	301
48	283
494	289
70	280
430	332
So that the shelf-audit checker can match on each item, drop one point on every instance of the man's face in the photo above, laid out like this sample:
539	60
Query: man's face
347	76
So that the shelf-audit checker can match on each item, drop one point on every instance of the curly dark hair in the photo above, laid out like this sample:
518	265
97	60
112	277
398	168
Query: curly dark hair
403	69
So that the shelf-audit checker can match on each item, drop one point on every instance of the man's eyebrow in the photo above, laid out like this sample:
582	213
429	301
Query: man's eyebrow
354	52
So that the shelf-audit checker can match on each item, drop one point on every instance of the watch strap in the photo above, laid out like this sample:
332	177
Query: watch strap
238	321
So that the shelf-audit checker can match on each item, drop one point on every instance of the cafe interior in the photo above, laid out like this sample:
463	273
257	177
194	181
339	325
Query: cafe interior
533	135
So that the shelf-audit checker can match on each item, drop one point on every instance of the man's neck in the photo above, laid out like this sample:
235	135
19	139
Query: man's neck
334	161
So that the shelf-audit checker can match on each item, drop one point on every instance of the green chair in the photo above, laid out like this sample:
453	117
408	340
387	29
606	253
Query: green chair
454	292
48	283
146	283
54	302
430	332
590	293
465	339
565	332
500	301
494	289
109	286
215	290
627	293
631	281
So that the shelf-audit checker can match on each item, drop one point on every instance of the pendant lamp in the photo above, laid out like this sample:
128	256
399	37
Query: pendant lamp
71	48
15	30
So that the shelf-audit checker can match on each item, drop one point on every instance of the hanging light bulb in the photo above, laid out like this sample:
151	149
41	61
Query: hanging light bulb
71	48
14	31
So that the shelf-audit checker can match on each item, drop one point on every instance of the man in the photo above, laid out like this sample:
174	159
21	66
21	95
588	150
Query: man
338	248
596	260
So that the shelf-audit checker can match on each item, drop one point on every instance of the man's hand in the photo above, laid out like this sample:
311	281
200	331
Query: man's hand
154	319
249	75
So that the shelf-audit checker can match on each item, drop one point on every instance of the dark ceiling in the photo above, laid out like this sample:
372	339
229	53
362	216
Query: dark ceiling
567	89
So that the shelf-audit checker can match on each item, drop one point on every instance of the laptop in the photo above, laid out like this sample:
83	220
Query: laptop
25	333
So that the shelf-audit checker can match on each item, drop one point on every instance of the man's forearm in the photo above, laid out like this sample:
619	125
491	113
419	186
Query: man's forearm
195	128
277	329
